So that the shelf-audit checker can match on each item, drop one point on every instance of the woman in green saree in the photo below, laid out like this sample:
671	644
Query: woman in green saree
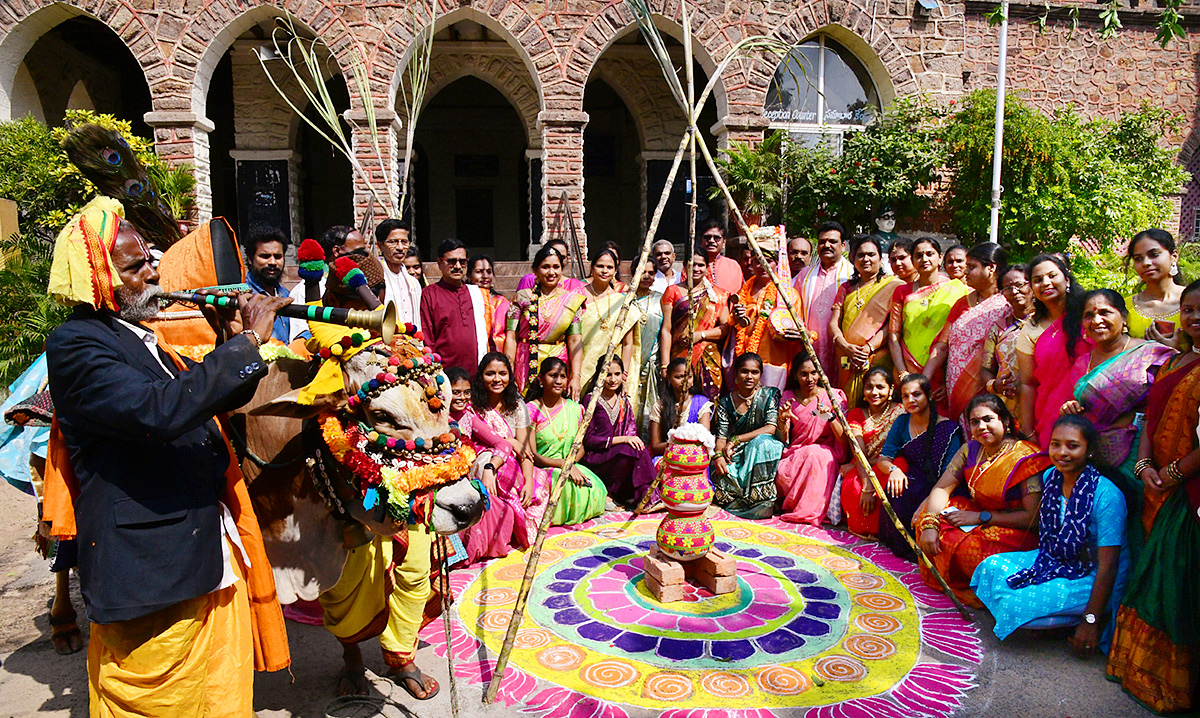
556	422
747	452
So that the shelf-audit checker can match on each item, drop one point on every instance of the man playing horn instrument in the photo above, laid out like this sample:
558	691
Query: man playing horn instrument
171	561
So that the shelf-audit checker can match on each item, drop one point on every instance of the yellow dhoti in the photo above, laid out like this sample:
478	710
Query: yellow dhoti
374	598
193	658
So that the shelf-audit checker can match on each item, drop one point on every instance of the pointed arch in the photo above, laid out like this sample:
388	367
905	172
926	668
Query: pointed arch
511	22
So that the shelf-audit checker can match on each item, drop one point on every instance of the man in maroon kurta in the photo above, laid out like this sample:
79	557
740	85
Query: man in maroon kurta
452	312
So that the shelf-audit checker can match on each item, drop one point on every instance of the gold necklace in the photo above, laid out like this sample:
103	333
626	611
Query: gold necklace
982	467
607	307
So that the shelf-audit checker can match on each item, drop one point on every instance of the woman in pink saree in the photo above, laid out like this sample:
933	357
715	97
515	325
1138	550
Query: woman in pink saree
807	473
497	420
481	272
960	344
544	322
1049	345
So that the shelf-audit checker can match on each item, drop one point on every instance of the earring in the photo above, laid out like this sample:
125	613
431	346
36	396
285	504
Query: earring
1174	268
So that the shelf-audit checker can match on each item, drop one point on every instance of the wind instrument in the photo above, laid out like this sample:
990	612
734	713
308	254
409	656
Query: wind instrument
381	321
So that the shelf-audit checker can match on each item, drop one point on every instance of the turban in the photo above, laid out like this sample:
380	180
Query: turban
83	270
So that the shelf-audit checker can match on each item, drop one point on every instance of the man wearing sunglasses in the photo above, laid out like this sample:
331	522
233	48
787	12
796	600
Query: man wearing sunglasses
452	312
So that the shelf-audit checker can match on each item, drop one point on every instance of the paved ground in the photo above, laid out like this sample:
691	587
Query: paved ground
1024	677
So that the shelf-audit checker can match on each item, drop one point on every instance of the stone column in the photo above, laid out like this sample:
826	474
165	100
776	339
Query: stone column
562	171
182	138
381	168
739	128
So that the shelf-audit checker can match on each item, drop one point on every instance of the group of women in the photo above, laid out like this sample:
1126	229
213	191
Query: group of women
1037	442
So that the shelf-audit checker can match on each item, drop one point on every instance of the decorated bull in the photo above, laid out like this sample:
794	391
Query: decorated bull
342	462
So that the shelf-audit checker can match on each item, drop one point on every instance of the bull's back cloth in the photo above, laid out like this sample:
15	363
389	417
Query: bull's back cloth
198	653
189	264
375	596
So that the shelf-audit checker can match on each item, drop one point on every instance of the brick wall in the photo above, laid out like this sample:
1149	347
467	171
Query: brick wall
559	44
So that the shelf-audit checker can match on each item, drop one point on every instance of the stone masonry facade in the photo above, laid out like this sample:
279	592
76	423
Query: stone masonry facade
558	45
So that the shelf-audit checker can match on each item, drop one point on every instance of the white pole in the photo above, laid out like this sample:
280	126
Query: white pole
997	149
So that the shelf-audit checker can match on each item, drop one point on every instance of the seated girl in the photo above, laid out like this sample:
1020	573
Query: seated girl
747	453
869	426
807	471
612	448
918	448
1077	573
556	422
662	416
1002	473
491	414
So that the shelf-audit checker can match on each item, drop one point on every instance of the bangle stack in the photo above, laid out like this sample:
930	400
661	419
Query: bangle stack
1142	465
1173	473
927	521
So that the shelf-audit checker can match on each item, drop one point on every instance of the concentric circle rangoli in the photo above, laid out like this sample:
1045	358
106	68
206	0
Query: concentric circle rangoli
813	622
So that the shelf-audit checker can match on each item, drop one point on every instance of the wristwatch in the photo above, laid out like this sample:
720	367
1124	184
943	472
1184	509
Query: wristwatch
490	466
258	341
1089	618
984	517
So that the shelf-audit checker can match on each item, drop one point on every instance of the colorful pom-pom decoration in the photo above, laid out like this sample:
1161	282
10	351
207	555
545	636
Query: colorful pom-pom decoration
310	250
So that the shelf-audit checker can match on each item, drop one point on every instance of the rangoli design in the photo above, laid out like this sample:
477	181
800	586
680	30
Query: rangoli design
822	624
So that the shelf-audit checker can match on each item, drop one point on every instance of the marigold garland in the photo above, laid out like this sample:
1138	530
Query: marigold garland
751	340
347	446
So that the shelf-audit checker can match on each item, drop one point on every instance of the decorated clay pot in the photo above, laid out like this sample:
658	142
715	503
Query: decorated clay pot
686	494
686	457
685	538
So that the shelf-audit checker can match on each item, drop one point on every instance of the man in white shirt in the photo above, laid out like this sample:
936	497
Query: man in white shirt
663	256
401	288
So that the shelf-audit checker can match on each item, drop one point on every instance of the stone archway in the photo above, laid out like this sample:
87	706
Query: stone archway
20	30
80	64
471	156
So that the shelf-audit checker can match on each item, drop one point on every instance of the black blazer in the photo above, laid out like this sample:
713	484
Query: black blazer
149	459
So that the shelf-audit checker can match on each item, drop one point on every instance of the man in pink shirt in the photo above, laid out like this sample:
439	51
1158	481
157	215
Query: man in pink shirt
817	285
723	271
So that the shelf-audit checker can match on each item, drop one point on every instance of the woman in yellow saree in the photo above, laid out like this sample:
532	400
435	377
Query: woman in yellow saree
918	314
858	326
599	316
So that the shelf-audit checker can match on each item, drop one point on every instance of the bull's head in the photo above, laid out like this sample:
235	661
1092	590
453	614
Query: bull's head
405	414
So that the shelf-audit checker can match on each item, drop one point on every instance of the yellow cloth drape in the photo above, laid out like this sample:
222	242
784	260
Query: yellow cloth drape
82	271
373	598
194	658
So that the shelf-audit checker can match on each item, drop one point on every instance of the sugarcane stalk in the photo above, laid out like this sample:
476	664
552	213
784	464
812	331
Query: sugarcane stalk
444	545
535	549
824	381
689	248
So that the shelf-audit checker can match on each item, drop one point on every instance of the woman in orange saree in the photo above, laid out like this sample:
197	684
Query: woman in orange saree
1156	646
1003	475
869	425
960	344
859	323
918	314
712	325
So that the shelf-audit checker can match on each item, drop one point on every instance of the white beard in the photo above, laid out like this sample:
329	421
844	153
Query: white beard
138	307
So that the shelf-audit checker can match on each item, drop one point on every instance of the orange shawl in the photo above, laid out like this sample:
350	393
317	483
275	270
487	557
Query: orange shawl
270	637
